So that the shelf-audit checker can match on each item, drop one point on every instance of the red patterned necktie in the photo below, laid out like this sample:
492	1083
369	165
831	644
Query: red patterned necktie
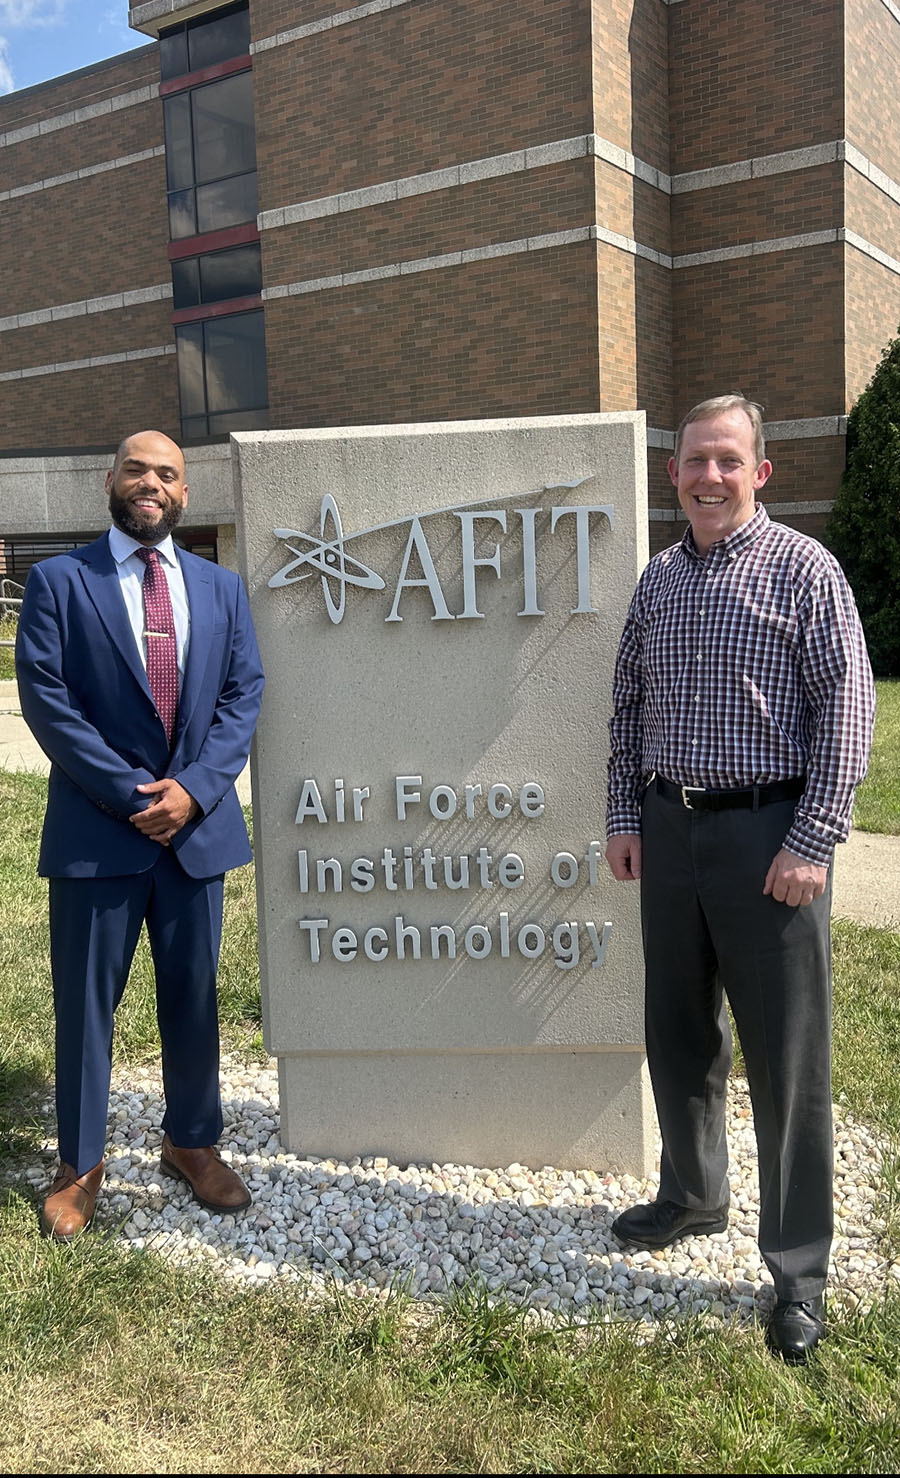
162	656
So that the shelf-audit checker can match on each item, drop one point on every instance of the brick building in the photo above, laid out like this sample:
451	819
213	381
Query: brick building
281	213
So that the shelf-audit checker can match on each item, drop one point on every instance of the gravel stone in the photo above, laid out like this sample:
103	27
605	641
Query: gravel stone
537	1237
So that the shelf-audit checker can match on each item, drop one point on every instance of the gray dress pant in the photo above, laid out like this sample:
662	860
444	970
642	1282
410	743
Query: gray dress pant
709	933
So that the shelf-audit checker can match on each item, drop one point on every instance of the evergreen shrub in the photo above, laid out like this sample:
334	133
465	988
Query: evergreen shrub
864	528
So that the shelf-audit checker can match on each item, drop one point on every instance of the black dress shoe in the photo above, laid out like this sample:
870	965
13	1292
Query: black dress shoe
796	1328
661	1222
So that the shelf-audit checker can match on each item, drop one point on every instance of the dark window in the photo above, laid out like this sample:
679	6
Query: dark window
222	375
222	118
215	276
227	203
211	156
205	41
186	283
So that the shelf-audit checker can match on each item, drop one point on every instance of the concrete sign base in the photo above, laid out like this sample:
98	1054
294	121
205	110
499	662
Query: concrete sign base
449	970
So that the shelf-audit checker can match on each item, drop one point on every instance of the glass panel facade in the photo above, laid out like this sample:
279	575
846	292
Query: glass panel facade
219	37
186	283
205	41
212	186
222	375
182	215
191	386
239	421
227	203
173	53
179	154
216	276
224	138
230	274
235	363
211	145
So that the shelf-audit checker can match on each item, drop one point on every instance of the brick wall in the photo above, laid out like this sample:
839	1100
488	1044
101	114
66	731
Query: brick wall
873	68
758	209
581	327
85	408
90	238
771	326
512	336
756	78
630	77
804	471
873	318
101	235
442	84
555	198
79	89
141	327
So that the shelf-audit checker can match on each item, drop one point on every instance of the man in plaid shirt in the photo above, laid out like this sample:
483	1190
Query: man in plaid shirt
743	712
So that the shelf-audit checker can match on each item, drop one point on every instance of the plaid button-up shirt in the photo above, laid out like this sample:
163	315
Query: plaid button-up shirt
744	668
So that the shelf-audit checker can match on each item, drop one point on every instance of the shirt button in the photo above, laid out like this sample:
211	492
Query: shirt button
695	741
696	697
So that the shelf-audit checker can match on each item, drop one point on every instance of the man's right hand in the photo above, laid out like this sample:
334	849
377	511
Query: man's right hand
623	853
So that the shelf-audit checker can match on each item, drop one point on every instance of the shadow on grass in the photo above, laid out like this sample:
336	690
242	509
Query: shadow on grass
23	1093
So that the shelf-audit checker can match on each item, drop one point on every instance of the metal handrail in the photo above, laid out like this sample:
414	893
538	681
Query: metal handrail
8	600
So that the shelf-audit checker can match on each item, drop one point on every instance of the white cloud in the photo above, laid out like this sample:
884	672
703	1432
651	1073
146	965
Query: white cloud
7	83
32	12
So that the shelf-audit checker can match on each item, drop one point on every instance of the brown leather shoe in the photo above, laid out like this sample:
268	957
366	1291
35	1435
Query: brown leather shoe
214	1184
69	1205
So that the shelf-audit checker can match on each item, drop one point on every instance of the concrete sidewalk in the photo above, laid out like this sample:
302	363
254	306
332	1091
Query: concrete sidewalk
866	870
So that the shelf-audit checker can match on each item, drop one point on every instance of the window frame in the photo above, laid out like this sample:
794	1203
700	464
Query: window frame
188	86
198	22
230	308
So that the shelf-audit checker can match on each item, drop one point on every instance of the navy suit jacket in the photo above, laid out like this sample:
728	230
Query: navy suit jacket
85	697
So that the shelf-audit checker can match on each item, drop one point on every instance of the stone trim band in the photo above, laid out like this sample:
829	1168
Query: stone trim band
569	238
163	291
94	362
775	510
158	294
808	429
52	181
582	145
80	115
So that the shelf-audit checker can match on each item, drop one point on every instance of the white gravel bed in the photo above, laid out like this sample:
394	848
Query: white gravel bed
540	1238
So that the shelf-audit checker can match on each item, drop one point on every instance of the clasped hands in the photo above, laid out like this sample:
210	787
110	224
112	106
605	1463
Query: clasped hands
166	815
790	879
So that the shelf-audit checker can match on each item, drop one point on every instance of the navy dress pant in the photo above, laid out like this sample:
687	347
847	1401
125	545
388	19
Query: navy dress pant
709	933
94	928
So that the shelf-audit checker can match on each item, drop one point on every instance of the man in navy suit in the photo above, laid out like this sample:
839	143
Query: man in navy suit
142	816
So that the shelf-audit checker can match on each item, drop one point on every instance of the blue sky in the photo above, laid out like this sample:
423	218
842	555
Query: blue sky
40	39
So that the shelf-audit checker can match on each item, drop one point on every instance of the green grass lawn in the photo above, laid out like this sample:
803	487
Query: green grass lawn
113	1360
878	798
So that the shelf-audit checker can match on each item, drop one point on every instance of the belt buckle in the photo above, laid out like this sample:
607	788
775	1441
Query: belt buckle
693	789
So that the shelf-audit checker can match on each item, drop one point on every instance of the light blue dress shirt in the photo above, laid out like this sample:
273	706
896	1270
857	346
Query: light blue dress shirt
130	568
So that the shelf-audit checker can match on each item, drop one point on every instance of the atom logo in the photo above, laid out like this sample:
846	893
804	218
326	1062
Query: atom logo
328	558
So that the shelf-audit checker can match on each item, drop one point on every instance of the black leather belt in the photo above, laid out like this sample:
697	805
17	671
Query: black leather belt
697	798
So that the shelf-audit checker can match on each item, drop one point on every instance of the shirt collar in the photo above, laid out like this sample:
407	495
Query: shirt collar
122	547
734	543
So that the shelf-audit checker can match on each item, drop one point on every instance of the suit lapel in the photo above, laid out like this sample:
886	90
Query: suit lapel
199	587
101	581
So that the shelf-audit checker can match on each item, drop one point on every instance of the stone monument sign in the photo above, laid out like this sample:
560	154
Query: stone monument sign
449	970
